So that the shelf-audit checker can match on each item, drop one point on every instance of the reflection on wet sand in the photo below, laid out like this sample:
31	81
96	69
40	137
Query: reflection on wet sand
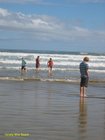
82	118
104	122
46	111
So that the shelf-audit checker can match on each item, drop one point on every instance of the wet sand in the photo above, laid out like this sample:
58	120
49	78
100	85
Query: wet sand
35	110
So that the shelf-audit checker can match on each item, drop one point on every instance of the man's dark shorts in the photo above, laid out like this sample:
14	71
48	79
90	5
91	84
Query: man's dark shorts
23	68
84	82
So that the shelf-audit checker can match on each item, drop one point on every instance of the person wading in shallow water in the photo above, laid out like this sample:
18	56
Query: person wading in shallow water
50	66
37	63
84	76
23	65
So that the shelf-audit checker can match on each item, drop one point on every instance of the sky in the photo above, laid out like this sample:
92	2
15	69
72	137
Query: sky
58	25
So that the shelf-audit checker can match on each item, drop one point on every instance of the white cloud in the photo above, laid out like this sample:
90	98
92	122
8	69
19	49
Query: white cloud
45	28
4	12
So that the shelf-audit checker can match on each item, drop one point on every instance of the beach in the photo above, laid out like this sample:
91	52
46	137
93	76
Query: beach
49	110
50	51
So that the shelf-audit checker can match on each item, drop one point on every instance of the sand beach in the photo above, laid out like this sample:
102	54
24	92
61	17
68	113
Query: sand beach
43	110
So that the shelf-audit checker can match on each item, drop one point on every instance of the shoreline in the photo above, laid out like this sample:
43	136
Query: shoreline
49	79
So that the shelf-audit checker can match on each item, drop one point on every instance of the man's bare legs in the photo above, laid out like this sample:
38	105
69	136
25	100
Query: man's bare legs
82	91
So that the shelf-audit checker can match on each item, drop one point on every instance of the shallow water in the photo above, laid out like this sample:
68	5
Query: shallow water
51	111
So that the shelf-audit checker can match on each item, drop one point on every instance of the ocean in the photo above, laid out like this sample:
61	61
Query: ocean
66	65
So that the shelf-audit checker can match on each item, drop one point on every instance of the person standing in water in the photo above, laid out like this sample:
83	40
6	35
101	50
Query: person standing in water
37	63
84	76
23	65
50	66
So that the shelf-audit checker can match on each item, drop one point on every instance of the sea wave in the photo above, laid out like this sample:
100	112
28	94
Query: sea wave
49	80
65	64
56	69
61	64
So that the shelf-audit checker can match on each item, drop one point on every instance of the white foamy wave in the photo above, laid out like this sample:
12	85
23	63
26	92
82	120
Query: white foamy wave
12	78
21	79
57	70
97	71
57	57
61	61
38	79
56	64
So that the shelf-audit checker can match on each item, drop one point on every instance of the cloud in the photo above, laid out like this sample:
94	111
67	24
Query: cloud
22	21
42	27
4	12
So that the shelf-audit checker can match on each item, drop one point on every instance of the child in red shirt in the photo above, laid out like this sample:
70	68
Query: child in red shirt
50	66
